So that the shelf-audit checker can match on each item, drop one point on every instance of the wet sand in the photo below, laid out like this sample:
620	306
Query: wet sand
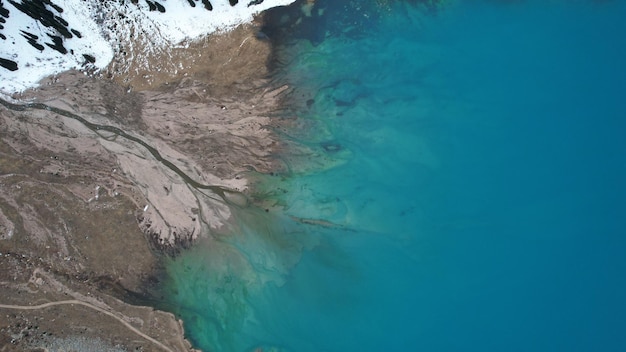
102	175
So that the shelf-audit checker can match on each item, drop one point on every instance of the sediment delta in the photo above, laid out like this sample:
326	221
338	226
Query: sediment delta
100	176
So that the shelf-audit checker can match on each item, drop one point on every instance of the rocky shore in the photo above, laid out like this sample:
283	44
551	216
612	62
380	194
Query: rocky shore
101	175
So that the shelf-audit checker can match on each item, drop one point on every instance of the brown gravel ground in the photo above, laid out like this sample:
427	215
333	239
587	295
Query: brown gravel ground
87	207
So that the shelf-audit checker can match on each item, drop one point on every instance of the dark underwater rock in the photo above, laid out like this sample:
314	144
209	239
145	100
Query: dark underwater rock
331	147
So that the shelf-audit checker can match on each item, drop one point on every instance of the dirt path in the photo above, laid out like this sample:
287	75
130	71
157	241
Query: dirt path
70	302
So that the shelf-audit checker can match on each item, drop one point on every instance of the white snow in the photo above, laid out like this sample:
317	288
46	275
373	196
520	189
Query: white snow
34	64
184	22
103	30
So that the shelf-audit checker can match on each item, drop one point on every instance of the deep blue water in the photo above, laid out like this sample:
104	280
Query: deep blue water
468	163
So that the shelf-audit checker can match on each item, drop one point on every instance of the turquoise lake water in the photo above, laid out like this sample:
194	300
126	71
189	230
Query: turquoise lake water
459	186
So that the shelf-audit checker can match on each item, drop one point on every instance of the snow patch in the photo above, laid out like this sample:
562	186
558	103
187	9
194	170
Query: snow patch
34	64
105	27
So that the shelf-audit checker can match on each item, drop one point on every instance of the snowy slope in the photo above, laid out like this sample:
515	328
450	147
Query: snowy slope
43	37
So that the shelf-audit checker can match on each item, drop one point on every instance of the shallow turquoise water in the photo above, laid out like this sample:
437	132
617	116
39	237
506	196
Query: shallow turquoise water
468	164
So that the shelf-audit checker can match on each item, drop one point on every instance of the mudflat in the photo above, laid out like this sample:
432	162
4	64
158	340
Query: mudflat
102	175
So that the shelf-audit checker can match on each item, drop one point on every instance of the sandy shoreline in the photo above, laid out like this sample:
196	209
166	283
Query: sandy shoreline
101	176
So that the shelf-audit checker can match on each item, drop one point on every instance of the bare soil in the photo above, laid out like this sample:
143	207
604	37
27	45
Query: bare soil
101	176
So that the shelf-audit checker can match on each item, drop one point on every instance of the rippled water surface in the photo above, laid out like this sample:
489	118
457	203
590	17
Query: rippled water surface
466	189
